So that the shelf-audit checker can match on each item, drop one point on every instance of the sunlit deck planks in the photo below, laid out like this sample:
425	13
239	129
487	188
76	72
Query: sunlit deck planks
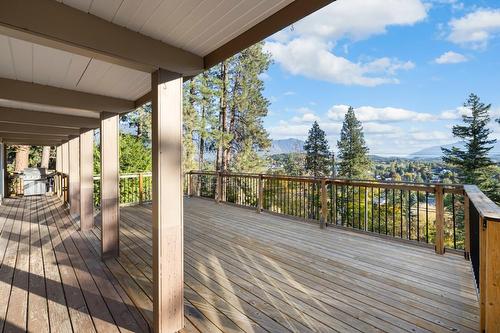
243	272
263	273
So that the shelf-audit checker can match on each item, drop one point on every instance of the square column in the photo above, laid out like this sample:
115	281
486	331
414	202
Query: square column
58	159
110	190
86	180
74	177
168	269
64	171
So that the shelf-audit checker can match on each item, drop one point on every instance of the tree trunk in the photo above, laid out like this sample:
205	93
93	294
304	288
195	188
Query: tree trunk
221	165
22	158
45	157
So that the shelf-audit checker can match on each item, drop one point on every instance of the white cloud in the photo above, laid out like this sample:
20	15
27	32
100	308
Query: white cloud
385	114
378	128
451	57
475	29
307	49
356	19
312	58
306	118
437	136
454	114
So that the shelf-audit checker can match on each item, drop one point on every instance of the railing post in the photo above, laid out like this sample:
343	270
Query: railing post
141	188
218	187
366	210
260	198
439	241
324	205
466	227
491	287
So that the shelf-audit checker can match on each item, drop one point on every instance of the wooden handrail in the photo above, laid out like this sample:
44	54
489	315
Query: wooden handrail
429	187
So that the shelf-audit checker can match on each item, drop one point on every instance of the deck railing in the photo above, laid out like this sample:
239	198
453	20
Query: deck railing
483	222
135	188
451	217
424	213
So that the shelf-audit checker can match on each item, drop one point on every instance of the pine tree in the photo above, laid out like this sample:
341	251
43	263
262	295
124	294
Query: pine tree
473	160
353	152
318	157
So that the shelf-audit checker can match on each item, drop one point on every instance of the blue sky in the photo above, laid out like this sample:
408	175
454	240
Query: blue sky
406	66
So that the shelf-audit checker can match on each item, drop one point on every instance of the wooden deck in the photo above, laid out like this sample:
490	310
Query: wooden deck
244	272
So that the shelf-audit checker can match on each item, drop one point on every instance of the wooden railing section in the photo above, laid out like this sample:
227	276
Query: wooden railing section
484	241
423	213
135	188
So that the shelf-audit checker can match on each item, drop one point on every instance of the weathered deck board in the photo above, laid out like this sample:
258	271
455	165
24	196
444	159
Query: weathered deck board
244	272
49	278
263	272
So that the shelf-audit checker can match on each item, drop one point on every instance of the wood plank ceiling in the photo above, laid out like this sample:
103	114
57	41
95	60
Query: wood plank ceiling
199	27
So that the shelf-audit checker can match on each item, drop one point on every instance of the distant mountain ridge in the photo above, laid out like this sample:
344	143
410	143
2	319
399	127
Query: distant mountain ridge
435	151
286	146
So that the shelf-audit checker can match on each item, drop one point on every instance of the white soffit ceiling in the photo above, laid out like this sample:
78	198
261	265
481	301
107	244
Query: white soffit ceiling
29	62
198	26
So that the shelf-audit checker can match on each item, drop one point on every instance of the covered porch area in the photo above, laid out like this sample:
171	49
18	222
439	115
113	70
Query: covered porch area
70	67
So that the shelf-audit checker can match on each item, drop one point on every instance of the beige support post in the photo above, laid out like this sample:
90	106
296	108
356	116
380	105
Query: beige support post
65	172
466	227
492	276
86	179
168	268
110	210
439	241
324	205
141	189
74	177
58	158
57	178
260	205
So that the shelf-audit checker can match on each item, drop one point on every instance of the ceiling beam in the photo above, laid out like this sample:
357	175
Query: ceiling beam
295	11
20	116
38	129
7	136
32	142
53	24
41	94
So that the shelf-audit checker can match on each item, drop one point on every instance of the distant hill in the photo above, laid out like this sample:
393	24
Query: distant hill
286	146
435	151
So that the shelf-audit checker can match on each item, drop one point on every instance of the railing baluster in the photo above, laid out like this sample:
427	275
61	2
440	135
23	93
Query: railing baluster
378	210
401	207
427	217
386	208
454	220
418	216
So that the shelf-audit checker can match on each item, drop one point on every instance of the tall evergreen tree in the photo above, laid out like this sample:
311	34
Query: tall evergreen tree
353	152
318	157
473	160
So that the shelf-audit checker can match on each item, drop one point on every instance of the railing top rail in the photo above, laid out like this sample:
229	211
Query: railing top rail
484	205
128	175
428	187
